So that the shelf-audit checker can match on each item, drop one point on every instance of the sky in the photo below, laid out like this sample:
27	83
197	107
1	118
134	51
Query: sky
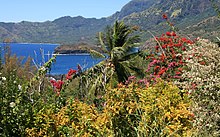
44	10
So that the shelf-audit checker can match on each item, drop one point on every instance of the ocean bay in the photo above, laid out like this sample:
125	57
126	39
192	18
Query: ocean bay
40	53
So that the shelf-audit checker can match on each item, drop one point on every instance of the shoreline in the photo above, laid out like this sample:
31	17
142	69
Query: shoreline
30	43
71	54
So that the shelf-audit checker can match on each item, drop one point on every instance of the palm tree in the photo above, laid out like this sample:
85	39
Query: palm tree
117	43
119	62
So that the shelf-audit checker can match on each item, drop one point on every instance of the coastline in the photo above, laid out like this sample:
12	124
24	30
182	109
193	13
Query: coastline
31	43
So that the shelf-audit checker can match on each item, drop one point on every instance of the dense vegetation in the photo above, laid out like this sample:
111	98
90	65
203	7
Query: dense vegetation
172	89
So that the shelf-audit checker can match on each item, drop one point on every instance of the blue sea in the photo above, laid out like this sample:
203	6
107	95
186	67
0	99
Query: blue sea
40	53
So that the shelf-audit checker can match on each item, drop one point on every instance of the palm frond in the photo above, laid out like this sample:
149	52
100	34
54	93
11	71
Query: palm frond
122	72
132	42
102	42
117	52
96	54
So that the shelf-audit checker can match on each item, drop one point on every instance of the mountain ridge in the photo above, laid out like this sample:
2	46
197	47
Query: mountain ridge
144	13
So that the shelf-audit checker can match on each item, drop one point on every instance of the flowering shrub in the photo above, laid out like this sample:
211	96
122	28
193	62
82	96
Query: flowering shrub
167	62
15	109
128	111
202	80
75	119
156	111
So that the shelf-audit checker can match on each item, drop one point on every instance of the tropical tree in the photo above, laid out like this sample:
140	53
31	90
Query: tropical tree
119	63
117	43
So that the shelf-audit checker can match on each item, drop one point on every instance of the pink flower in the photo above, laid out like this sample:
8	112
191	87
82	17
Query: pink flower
131	78
152	63
172	64
177	77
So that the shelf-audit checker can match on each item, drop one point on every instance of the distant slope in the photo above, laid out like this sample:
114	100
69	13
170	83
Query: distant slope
63	30
185	14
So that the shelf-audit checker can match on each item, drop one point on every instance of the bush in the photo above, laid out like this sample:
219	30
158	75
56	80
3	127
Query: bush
202	80
21	96
160	110
167	62
16	108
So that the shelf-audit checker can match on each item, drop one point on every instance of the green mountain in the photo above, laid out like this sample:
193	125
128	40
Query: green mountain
190	16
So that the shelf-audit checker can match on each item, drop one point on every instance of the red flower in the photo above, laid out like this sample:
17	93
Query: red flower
168	33
157	67
53	82
183	48
162	58
68	77
178	45
59	84
202	62
162	70
178	73
189	42
180	69
173	33
164	46
70	73
184	39
164	16
170	45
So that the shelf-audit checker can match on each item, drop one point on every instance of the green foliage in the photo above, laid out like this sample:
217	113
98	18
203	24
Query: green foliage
120	63
216	7
93	83
22	95
117	42
32	106
16	107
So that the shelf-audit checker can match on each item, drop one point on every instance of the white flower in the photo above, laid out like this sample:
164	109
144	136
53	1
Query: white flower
12	104
19	87
3	78
43	68
14	82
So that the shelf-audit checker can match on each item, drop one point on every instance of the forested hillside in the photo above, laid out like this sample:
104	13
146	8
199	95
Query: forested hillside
147	14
